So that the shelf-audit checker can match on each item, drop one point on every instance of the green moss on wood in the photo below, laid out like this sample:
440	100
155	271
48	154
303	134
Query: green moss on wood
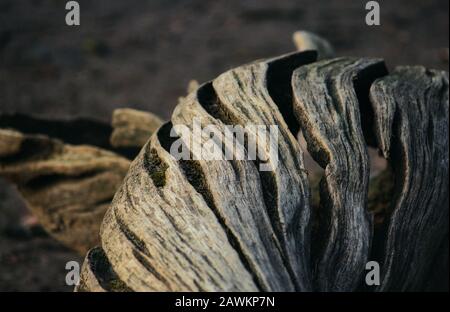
156	168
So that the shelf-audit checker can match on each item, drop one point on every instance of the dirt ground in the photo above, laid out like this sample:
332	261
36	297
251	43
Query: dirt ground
142	54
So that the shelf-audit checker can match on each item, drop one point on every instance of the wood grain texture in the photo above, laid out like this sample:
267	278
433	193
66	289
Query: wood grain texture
161	235
259	94
233	191
327	107
412	108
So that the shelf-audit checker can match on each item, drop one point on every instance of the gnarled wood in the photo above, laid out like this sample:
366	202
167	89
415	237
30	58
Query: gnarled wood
411	108
225	225
265	219
327	107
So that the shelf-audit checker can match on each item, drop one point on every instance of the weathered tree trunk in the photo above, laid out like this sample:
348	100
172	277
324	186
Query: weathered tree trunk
198	225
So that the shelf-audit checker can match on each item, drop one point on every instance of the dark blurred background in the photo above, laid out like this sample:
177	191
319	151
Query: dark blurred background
142	54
